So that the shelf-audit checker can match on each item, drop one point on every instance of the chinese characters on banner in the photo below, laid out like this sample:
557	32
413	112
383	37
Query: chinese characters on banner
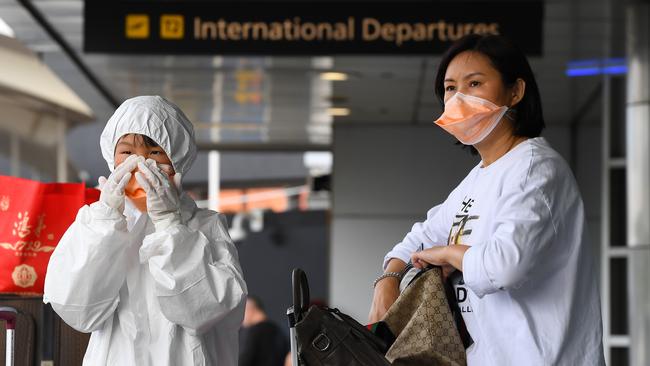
33	217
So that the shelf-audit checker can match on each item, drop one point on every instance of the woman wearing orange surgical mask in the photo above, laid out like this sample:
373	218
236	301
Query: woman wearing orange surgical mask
486	100
511	236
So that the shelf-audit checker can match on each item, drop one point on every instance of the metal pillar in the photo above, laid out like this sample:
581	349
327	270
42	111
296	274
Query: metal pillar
605	256
214	179
61	152
638	179
15	155
214	157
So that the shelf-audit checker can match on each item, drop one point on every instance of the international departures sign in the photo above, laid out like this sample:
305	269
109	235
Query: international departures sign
290	28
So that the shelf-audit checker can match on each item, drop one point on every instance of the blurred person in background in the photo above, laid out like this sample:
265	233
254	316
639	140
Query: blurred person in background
263	343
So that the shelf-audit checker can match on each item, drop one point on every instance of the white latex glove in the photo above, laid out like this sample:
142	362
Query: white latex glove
112	189
163	202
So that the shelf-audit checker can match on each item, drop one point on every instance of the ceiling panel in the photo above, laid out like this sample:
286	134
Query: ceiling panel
293	101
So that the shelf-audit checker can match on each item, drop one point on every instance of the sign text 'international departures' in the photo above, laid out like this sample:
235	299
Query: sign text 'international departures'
285	28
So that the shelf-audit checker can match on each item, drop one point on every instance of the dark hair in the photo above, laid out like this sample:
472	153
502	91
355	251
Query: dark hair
512	64
149	142
146	140
257	301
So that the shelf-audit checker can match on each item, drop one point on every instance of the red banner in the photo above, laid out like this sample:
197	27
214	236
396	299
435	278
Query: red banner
33	218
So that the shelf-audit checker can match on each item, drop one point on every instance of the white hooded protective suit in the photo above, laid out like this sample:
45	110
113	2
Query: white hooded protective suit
172	297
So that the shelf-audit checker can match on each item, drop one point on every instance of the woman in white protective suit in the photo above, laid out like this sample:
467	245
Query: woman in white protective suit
155	279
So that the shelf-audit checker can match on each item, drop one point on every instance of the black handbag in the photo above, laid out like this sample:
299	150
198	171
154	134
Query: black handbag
325	336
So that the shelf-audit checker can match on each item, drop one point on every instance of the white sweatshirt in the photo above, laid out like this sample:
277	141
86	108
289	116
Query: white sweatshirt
167	298
530	293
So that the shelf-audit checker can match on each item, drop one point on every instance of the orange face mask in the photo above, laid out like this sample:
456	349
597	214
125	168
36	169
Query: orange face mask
133	189
470	119
137	194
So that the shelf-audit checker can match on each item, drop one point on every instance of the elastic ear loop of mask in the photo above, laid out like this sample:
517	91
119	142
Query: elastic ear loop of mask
511	114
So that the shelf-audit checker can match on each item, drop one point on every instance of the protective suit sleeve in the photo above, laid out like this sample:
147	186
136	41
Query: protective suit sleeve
523	232
197	274
87	268
432	231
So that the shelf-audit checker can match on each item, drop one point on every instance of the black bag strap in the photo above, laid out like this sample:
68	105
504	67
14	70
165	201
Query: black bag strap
300	293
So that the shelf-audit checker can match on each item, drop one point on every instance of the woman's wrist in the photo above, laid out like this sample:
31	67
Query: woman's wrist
453	255
387	275
395	265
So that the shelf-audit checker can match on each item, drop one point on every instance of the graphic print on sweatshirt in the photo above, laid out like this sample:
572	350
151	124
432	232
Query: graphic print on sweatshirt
460	230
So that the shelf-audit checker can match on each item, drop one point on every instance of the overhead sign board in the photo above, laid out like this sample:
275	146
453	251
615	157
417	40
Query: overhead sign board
303	28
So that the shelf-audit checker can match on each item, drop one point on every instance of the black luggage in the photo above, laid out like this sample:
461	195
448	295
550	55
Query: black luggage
10	316
321	336
41	337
